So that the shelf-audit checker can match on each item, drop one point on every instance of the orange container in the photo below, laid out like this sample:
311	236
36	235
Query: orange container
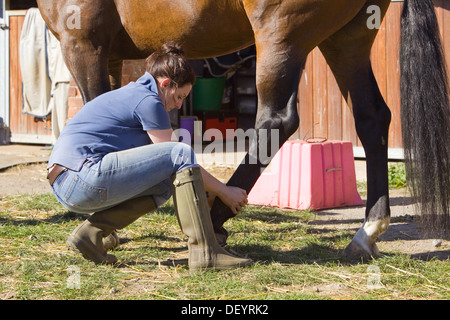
227	126
305	175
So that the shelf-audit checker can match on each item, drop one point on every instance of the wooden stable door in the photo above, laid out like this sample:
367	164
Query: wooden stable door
24	128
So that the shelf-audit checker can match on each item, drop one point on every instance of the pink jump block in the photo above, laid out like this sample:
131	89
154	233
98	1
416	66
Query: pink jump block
305	175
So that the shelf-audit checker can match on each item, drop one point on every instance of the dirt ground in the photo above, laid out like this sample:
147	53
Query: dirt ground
403	235
22	179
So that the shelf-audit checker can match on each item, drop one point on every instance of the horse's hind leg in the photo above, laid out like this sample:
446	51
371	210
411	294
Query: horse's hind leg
347	53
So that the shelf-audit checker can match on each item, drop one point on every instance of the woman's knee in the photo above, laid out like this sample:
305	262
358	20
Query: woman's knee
182	156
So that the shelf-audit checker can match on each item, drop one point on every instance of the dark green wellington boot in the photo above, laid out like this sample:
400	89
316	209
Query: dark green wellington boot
89	237
195	221
111	242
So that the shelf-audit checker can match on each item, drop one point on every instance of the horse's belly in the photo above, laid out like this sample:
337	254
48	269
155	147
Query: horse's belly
205	28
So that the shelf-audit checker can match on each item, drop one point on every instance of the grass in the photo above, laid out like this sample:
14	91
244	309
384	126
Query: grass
397	175
294	260
396	178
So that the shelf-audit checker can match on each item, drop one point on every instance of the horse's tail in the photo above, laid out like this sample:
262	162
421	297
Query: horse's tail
425	115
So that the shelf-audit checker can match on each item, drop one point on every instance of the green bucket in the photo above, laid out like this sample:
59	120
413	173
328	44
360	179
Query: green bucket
208	93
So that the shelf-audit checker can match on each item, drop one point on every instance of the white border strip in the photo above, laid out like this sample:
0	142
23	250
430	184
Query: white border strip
393	153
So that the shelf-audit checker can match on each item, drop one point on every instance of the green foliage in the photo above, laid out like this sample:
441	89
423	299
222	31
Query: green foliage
397	175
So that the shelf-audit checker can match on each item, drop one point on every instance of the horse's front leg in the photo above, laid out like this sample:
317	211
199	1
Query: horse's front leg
86	36
277	120
89	67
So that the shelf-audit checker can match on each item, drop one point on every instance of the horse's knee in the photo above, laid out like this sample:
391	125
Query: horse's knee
273	132
277	92
291	124
285	120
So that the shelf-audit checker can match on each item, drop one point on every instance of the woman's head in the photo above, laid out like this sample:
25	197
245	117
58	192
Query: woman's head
173	73
169	62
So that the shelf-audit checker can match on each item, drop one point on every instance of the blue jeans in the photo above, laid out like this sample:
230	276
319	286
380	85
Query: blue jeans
123	175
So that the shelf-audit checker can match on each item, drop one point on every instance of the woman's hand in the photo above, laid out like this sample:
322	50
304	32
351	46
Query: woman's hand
234	198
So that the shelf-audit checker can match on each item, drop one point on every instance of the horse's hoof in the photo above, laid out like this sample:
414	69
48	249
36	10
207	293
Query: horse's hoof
221	236
357	251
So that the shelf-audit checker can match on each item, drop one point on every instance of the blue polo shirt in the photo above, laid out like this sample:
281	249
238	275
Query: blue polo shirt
115	121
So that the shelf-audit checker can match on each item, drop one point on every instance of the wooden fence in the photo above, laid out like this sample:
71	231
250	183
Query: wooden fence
322	109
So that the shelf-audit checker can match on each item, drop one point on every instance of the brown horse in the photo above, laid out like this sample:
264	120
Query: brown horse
97	35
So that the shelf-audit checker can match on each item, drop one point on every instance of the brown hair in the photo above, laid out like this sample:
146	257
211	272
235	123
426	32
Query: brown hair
169	62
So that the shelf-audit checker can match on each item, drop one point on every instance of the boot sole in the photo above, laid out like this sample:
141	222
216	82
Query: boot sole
243	264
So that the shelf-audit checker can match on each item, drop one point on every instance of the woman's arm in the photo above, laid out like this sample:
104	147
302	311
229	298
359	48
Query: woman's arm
158	136
233	197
